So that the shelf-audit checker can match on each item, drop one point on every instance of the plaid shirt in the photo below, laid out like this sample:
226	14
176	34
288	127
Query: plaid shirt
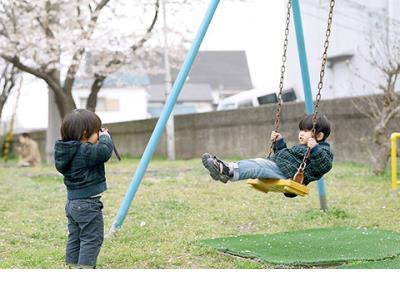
289	160
82	165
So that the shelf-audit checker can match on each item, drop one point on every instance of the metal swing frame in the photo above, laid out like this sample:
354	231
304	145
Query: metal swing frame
171	100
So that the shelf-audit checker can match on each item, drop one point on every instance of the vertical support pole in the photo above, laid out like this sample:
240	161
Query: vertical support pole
53	128
170	132
160	126
301	47
393	141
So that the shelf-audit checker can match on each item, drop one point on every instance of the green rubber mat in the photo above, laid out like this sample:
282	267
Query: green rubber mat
383	264
319	246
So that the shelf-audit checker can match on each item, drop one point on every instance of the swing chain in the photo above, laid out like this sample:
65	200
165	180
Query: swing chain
298	177
282	77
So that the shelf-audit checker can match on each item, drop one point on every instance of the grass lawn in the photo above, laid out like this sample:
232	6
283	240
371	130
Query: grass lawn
177	204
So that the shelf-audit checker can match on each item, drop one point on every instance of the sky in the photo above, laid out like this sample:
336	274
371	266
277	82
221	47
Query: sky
256	27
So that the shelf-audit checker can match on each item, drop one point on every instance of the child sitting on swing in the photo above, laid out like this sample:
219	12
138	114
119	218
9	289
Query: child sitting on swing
283	164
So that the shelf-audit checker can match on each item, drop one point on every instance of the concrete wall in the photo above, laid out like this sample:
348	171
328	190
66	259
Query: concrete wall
245	132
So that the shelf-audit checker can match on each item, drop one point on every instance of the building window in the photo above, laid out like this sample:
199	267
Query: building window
103	104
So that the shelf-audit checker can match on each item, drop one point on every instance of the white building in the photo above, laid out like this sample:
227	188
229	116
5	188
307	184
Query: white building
355	22
121	98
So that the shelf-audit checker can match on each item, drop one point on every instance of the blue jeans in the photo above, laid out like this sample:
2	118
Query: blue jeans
85	231
256	168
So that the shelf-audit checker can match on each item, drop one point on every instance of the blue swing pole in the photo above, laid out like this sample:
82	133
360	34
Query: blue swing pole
301	47
160	126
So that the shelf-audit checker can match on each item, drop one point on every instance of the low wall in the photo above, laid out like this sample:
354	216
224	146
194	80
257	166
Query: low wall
245	132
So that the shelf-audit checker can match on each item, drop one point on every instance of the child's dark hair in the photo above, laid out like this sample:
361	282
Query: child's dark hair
25	135
323	124
80	123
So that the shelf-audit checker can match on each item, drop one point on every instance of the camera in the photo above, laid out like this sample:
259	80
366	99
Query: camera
114	148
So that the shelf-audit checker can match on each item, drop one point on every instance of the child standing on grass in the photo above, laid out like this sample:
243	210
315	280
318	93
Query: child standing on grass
80	157
283	164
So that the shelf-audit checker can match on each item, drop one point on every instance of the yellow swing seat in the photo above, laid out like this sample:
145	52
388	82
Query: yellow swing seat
278	185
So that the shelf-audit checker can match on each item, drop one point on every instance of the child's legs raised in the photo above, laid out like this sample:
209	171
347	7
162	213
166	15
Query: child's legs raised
256	168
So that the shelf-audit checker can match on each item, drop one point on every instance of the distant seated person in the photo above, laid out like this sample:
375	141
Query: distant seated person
28	151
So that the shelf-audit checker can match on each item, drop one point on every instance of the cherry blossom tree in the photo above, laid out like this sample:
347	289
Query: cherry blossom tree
49	39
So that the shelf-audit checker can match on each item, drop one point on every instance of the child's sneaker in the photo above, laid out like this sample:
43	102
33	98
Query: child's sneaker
218	169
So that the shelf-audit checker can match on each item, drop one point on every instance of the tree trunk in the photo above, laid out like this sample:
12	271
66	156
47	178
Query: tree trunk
65	103
382	149
63	98
381	157
8	79
2	102
68	104
96	86
53	127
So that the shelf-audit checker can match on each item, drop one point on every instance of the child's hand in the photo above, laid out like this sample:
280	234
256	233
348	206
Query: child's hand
311	143
104	131
275	136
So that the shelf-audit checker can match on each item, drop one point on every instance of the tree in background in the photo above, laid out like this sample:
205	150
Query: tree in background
8	83
8	80
49	40
382	108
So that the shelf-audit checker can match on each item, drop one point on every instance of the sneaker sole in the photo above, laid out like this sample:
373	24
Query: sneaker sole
208	163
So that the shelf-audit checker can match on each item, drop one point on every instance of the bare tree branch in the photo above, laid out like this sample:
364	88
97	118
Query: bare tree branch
8	80
147	35
383	56
77	57
16	62
99	78
94	91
